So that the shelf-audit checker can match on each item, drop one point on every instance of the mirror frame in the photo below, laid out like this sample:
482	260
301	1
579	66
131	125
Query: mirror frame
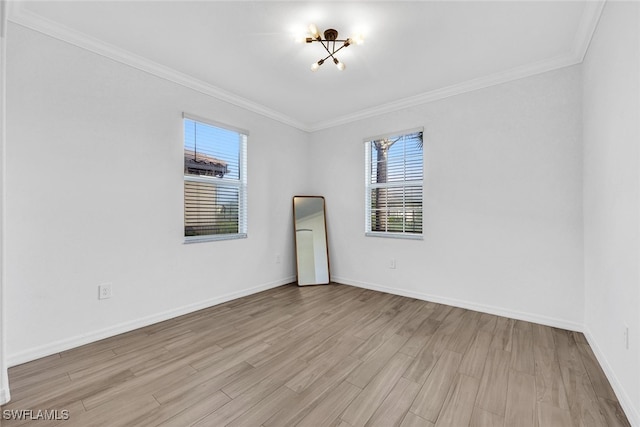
295	233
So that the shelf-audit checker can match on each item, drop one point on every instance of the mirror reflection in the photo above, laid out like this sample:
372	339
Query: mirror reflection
312	255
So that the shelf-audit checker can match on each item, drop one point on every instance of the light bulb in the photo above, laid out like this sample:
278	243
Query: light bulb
339	64
314	31
299	34
316	65
357	39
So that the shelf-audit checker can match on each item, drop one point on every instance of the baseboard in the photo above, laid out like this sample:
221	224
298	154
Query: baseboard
498	311
632	412
77	341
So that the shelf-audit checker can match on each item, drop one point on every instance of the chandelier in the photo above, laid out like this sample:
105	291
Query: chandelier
332	44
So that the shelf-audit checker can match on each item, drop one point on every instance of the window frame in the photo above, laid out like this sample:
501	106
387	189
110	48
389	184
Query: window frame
369	186
240	183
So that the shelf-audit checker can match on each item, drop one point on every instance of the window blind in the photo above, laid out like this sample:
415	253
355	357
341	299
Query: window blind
394	184
214	182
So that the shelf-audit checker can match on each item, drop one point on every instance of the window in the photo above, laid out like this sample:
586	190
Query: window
215	181
394	165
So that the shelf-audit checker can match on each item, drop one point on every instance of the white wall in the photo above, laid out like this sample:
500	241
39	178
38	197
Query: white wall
94	195
611	198
4	380
502	201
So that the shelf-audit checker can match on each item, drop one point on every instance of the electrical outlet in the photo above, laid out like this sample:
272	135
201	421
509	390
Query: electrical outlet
392	263
626	336
278	259
104	291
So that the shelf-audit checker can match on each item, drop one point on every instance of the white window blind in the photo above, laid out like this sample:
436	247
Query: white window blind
394	182
215	181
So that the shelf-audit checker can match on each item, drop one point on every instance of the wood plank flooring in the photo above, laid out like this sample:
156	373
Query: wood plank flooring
323	356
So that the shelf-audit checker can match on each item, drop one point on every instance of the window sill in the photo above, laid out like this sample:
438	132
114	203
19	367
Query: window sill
407	236
214	237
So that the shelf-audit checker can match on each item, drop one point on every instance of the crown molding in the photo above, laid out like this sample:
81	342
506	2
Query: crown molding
588	23
584	34
587	27
19	15
453	90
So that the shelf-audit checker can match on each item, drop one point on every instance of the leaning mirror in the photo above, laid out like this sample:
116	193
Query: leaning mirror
312	254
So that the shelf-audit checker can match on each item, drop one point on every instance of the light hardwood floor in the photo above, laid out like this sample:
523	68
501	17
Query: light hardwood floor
324	356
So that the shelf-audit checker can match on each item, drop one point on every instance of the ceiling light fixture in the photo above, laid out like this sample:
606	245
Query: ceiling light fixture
329	43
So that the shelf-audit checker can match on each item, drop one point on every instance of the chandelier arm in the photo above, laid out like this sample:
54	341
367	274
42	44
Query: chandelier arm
326	47
311	40
339	49
332	53
326	57
329	45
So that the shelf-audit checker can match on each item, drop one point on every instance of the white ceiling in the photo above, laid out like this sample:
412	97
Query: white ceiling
244	52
